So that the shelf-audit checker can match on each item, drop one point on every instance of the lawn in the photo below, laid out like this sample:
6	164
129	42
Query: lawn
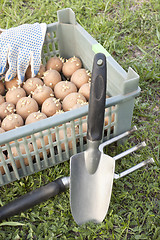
130	32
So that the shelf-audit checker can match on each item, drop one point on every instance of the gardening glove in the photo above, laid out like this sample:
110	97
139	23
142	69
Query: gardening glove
19	47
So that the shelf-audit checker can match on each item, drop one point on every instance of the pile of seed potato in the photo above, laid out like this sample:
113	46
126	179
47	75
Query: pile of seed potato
59	86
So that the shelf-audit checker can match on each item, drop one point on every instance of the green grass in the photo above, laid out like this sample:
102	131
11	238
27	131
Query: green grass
130	32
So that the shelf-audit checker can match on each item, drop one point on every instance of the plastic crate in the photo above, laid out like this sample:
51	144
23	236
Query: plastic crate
67	38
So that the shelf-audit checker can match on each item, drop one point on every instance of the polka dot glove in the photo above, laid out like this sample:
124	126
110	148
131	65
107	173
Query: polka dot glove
19	47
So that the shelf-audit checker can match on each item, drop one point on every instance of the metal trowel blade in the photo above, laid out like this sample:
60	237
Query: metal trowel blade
90	193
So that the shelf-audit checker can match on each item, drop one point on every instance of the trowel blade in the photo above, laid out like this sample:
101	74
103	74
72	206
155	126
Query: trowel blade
90	193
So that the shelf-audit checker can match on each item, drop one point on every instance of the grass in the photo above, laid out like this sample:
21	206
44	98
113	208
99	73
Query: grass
130	32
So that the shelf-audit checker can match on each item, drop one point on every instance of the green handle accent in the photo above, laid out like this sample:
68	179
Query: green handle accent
98	48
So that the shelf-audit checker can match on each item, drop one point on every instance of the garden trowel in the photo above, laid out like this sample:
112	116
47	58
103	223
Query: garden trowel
91	171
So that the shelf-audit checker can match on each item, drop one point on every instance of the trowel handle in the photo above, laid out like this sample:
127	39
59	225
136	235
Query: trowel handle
97	98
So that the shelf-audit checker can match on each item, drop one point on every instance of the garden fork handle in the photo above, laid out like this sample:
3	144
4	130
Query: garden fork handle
33	198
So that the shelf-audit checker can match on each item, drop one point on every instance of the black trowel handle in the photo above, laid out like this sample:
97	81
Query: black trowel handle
97	98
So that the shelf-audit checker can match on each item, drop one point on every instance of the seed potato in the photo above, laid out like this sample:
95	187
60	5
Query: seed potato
70	66
1	168
31	84
34	117
42	69
6	108
23	151
2	99
41	93
107	117
12	121
45	139
2	88
13	83
55	63
80	77
68	134
50	106
25	106
84	123
85	90
63	88
14	94
70	100
2	130
39	75
51	78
